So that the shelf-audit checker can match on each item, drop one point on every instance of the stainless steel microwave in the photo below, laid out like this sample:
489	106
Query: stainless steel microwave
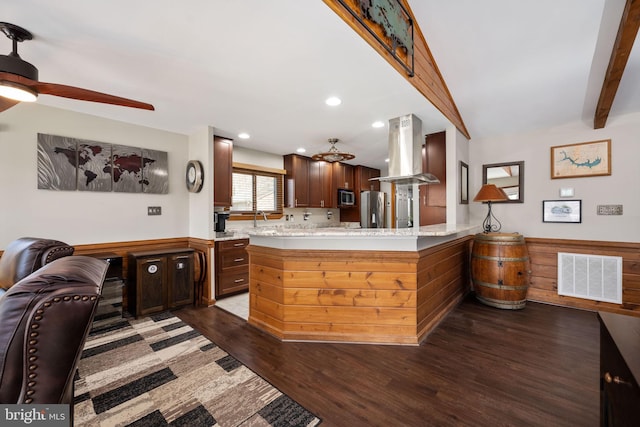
346	197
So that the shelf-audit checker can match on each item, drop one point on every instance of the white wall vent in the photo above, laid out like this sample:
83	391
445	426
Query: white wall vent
593	277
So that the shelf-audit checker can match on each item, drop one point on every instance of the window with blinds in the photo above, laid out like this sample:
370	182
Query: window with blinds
256	190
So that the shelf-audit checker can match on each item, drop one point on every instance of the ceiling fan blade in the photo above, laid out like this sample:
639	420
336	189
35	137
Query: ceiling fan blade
73	92
6	103
87	95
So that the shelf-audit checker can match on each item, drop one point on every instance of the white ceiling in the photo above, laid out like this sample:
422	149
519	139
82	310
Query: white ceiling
266	67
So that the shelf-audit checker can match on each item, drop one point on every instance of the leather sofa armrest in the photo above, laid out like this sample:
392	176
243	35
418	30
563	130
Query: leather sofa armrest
44	321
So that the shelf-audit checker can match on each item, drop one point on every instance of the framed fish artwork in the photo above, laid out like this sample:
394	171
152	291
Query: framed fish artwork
581	160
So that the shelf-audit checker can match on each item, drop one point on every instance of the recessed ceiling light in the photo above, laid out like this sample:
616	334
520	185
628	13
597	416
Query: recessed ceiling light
244	135
333	101
301	150
386	160
377	124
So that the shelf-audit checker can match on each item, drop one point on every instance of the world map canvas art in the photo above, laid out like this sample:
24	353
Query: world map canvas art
66	163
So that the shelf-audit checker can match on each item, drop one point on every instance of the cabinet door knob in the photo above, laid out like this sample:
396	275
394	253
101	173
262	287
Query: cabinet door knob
615	379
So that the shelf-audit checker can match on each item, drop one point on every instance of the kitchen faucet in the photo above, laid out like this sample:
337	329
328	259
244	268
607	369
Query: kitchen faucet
255	215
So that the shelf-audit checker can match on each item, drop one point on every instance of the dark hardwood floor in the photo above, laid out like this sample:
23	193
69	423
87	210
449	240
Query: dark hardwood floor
481	366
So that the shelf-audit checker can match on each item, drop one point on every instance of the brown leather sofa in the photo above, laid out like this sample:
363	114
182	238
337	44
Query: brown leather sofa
44	321
25	255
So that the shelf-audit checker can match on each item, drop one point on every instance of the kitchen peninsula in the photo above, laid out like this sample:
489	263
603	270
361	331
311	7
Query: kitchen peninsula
389	286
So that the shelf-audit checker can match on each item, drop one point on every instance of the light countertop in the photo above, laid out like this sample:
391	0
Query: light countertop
346	238
427	230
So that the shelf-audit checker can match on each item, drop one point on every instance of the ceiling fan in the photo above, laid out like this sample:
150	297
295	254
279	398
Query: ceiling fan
19	79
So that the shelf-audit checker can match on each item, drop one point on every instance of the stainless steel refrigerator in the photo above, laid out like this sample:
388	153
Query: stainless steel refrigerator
372	209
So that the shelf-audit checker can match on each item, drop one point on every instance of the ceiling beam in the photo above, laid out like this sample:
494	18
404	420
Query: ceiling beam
426	79
627	32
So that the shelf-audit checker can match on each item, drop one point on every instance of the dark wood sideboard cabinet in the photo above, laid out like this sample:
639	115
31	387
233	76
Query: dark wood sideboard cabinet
619	370
232	267
159	280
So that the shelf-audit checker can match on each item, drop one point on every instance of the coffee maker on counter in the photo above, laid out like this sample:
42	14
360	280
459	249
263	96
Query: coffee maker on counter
220	220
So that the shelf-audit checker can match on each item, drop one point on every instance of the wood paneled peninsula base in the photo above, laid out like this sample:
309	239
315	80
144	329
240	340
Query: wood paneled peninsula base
379	286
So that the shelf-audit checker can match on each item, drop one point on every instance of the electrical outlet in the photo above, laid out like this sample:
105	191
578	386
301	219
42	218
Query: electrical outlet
154	210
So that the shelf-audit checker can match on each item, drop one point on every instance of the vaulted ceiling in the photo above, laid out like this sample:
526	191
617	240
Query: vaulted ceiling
266	67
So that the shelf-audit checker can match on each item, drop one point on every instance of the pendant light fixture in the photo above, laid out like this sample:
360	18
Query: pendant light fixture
333	154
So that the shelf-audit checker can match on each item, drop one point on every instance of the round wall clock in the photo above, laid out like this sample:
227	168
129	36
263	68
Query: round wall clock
195	176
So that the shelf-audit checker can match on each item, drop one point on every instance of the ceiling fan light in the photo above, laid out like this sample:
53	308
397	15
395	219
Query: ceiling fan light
17	92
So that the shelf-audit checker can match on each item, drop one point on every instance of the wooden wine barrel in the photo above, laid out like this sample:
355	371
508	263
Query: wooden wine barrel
500	269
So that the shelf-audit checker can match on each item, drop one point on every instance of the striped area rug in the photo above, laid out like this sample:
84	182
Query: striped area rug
158	371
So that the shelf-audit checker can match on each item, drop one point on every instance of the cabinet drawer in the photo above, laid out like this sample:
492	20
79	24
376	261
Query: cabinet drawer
230	283
233	244
235	258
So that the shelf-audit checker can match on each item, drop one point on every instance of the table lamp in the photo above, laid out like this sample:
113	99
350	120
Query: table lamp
490	193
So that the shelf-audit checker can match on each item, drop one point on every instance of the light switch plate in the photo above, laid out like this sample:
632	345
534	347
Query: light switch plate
154	210
566	192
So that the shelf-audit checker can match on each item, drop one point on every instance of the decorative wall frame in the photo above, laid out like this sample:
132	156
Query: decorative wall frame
464	183
155	165
568	211
390	24
509	176
581	160
66	163
57	163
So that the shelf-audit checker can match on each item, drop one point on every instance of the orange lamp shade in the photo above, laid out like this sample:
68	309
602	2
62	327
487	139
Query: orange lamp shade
490	193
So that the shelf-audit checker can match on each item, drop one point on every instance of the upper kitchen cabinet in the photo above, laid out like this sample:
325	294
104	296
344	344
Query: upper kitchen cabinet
343	176
433	197
362	174
320	180
315	184
308	183
296	189
222	171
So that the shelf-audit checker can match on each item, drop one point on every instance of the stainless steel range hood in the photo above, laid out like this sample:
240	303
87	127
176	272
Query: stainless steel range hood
405	153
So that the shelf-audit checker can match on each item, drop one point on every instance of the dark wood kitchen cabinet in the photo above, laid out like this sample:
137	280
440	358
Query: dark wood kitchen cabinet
296	189
232	267
619	370
362	174
320	184
433	197
222	171
343	176
159	280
